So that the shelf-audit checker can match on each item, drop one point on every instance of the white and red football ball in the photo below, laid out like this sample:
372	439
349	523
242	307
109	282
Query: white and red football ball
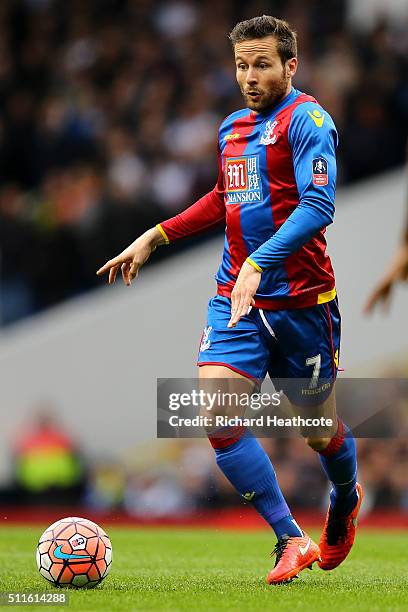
74	552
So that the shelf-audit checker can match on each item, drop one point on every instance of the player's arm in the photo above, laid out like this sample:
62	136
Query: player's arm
312	141
203	215
314	162
398	271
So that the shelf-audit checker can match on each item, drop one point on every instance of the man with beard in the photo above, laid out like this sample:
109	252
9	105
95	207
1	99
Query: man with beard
276	310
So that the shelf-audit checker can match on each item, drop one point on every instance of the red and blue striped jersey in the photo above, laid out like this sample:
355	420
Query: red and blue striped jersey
275	193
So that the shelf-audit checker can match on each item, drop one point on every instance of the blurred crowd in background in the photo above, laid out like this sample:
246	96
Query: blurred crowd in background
108	123
109	112
175	478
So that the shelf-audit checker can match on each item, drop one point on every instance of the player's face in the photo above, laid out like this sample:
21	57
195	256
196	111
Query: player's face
262	77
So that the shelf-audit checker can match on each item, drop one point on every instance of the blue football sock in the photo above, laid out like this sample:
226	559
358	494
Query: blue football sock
339	461
249	469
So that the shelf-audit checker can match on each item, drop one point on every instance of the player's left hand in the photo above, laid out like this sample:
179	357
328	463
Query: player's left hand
242	296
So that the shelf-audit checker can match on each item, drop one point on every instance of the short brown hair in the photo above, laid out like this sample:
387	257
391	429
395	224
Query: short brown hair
265	25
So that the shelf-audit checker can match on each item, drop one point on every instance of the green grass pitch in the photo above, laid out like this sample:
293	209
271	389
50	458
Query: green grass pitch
177	569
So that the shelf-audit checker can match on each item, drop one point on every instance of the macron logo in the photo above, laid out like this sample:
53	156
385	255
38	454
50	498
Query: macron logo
317	117
249	496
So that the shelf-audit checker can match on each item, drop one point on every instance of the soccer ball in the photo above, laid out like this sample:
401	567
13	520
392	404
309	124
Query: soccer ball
74	552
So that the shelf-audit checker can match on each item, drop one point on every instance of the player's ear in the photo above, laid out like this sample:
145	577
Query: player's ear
291	67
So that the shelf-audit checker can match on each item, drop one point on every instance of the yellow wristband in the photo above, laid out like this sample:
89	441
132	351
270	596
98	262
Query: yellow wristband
163	233
254	264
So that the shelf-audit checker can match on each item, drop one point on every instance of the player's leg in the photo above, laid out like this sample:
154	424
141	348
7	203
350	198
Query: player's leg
242	458
241	355
338	459
310	339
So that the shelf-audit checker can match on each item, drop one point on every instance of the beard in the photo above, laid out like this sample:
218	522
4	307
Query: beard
267	98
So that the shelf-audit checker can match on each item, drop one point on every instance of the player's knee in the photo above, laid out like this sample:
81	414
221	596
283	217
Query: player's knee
318	444
211	412
209	418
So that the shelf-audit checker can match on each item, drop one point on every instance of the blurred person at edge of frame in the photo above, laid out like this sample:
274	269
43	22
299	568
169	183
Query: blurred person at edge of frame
48	468
396	272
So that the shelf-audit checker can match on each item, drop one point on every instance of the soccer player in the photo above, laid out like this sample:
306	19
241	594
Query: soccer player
276	308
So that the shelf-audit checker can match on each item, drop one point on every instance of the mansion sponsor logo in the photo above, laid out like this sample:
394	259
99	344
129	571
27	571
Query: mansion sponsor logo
243	180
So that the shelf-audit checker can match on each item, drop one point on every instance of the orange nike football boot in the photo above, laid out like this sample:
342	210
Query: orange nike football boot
338	535
293	554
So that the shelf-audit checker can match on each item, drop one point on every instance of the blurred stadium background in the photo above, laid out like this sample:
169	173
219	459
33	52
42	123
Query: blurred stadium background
108	119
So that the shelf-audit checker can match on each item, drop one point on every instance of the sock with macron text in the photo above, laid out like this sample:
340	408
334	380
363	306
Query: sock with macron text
339	461
248	468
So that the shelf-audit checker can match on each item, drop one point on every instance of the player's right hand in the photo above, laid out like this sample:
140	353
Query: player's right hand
132	258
